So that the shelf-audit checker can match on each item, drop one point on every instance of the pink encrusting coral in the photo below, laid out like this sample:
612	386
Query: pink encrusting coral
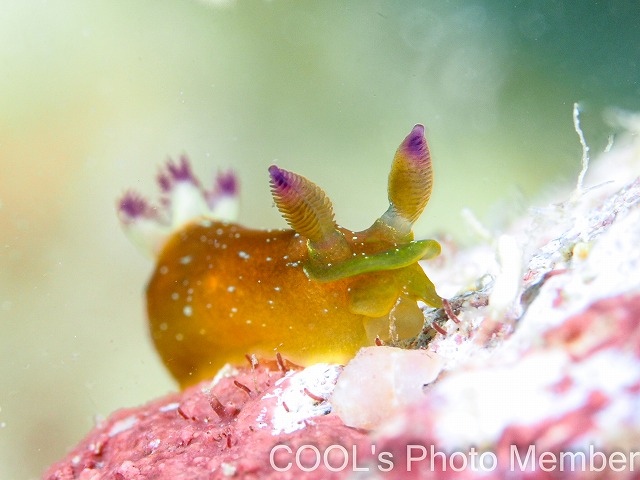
229	427
573	397
531	371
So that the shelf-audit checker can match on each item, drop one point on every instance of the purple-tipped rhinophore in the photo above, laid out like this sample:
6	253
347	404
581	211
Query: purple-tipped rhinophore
410	182
415	145
304	206
286	188
278	177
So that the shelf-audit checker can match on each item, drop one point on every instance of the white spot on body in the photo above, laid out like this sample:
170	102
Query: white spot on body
187	310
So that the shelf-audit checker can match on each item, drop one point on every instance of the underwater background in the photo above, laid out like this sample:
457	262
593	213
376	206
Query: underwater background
95	95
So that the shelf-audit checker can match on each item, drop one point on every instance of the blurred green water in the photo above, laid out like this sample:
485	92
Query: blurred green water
95	94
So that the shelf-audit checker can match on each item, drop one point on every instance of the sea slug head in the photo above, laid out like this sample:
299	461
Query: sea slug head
336	253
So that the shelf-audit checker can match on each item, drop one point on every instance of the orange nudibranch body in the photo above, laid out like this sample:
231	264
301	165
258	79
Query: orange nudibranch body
315	293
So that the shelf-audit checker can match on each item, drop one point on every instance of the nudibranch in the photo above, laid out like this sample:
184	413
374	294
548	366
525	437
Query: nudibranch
314	293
